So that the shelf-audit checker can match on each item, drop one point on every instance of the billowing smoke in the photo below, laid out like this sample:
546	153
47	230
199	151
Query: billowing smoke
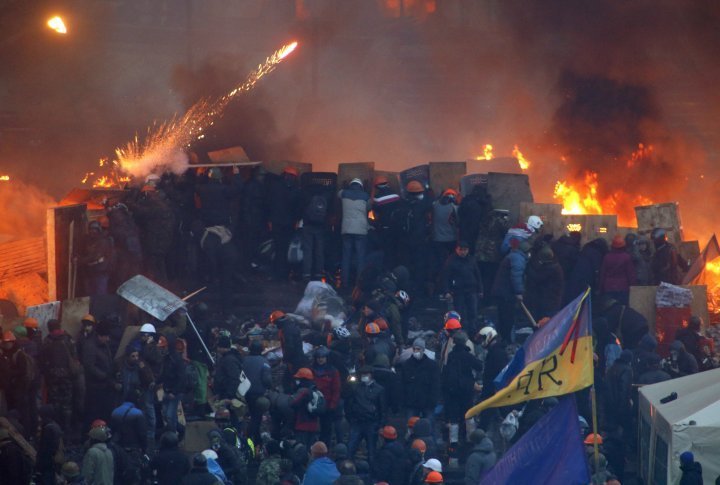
24	207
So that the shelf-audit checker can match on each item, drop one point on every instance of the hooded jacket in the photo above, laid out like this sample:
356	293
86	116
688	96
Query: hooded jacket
355	207
420	382
321	471
482	458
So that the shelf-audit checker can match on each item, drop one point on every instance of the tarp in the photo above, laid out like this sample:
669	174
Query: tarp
691	422
150	297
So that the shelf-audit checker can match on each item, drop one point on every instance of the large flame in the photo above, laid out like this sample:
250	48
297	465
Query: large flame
524	162
56	23
581	200
711	278
487	153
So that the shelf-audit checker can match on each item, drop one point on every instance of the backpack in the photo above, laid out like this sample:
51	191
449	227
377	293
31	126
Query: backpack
317	210
317	404
402	219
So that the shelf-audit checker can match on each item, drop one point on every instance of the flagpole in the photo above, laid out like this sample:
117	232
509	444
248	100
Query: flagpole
596	452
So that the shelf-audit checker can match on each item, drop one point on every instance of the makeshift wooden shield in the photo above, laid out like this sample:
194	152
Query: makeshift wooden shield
43	313
662	216
421	173
468	182
498	165
361	170
277	166
150	297
319	181
446	175
507	191
551	215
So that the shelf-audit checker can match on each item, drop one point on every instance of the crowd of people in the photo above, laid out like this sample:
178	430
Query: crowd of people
377	396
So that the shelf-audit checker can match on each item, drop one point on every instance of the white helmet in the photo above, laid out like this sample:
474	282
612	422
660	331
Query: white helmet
487	335
403	296
210	454
356	181
534	223
433	464
147	328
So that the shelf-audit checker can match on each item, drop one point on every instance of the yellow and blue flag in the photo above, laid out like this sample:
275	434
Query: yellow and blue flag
557	359
551	451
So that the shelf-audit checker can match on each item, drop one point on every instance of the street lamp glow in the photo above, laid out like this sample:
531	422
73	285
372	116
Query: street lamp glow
56	23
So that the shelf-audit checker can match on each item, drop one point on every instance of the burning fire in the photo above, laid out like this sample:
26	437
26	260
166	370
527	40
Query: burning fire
113	180
165	143
487	153
4	178
712	280
56	23
583	201
524	162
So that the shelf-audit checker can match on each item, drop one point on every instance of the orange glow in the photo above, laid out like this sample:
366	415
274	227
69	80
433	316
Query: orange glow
371	215
487	153
4	178
583	200
642	153
56	23
524	162
711	278
286	50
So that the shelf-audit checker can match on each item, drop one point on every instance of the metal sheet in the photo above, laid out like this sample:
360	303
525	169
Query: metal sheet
150	297
43	313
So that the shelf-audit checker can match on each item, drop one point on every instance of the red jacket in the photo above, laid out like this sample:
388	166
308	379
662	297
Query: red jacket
617	272
327	380
304	421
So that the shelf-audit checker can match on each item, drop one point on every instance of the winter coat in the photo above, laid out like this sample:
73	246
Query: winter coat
686	362
445	221
423	430
56	357
156	220
304	421
381	345
643	354
617	272
495	360
269	471
384	202
215	199
284	201
173	371
457	374
98	364
691	474
98	465
665	265
586	270
460	274
327	380
493	228
98	254
420	226
257	369
390	381
691	340
355	207
51	438
471	212
653	376
420	382
623	319
200	476
482	458
130	426
365	403
567	251
321	471
545	283
227	375
510	278
171	466
292	344
125	234
387	464
619	386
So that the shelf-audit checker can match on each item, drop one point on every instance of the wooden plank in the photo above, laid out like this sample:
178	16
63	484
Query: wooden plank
689	250
446	175
361	170
665	216
642	300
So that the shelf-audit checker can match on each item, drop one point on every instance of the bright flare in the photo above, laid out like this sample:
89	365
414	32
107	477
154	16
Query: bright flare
487	153
524	162
4	178
56	23
579	201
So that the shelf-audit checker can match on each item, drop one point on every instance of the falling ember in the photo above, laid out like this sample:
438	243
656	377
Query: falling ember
487	153
4	178
643	152
574	201
56	23
524	162
164	144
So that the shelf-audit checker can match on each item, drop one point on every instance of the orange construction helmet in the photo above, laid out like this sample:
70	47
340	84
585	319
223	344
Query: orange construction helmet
592	437
276	315
88	318
304	373
411	422
372	328
388	432
381	179
419	445
382	323
452	192
434	477
414	187
30	322
8	336
452	324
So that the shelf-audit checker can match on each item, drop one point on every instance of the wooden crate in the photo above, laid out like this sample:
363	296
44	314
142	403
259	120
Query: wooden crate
508	191
665	216
551	215
277	166
446	175
361	170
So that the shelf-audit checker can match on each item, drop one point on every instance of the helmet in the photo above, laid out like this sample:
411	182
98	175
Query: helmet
8	336
450	193
433	477
210	454
487	334
372	328
381	180
592	438
147	328
403	297
453	314
411	422
414	187
98	423
322	351
356	181
304	373
342	332
388	432
433	464
88	318
276	315
419	445
30	322
152	178
452	324
534	223
382	323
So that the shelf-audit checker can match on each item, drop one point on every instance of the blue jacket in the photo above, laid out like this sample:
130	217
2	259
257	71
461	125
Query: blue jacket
322	471
510	278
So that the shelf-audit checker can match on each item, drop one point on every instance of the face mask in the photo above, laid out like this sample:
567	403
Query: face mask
365	379
418	355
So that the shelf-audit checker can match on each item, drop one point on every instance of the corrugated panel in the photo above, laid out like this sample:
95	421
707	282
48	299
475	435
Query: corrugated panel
22	257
